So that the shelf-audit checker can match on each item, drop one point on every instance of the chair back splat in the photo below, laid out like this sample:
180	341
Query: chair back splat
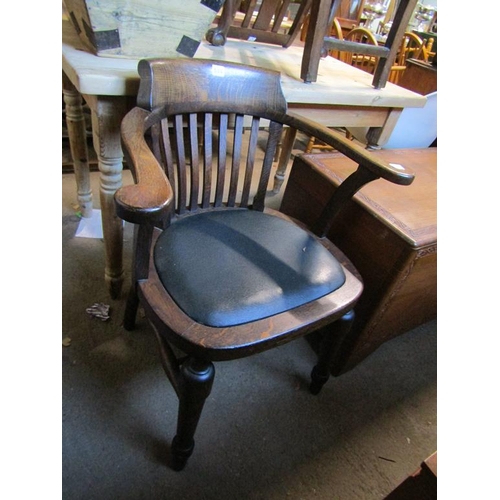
197	131
219	275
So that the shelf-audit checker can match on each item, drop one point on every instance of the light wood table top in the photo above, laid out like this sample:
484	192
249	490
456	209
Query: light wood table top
338	83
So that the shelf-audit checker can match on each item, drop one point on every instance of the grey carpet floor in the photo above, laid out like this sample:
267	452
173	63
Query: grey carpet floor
262	434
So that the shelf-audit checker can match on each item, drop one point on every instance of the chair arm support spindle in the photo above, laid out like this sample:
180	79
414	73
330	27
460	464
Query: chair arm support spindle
345	191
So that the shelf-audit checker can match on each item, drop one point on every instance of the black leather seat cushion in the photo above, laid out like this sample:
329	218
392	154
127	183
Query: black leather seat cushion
229	267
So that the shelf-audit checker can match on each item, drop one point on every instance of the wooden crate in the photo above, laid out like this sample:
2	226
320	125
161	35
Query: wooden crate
389	233
142	28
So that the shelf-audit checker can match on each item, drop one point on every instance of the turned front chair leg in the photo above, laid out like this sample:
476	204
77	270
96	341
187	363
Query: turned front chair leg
329	348
195	384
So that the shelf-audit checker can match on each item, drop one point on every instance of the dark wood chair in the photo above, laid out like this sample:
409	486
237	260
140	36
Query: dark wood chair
219	275
265	22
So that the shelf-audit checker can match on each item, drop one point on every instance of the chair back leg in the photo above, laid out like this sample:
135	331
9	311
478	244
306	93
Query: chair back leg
330	346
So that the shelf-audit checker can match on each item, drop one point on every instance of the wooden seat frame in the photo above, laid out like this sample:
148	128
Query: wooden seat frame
161	142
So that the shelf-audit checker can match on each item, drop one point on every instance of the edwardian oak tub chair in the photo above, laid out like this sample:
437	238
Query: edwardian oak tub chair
220	276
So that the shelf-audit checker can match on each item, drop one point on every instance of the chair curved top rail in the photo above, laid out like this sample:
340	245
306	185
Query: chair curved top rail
207	82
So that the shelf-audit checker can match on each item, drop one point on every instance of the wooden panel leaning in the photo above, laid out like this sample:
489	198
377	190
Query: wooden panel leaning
219	275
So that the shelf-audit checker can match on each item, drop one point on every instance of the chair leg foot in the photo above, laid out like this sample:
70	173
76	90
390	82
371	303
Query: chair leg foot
318	380
180	454
329	348
195	384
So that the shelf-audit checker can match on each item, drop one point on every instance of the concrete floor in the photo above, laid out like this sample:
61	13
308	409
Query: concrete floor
262	435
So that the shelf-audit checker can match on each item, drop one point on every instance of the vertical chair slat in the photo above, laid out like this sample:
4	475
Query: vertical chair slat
221	167
235	167
272	143
168	159
195	162
181	163
249	13
207	160
155	143
280	14
252	146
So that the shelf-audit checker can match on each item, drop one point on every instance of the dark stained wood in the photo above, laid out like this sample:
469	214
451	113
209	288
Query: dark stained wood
165	157
219	344
193	85
317	29
195	165
165	152
207	160
181	164
235	167
400	22
150	198
221	160
252	146
195	384
419	76
357	154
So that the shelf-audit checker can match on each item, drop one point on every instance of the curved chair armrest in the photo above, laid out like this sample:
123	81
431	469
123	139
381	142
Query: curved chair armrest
369	169
396	174
149	199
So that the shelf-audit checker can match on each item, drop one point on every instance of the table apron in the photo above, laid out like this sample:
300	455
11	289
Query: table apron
344	116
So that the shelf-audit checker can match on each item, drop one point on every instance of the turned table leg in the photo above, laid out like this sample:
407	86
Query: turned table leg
75	121
107	114
377	136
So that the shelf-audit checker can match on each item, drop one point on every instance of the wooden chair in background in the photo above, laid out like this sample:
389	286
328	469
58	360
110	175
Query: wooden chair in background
317	38
336	32
411	46
219	275
265	22
364	62
361	60
426	54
